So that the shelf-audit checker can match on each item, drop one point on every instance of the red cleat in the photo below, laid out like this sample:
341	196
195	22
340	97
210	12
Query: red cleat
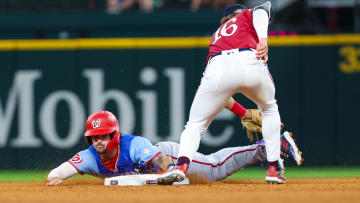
275	175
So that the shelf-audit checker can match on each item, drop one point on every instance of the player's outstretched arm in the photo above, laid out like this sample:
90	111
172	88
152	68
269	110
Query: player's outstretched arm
62	172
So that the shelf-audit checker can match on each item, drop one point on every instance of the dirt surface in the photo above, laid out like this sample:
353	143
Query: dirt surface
88	191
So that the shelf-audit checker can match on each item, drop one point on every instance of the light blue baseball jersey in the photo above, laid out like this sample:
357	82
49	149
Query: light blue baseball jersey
135	155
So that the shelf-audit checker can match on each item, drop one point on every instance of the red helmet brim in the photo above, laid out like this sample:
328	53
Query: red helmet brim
99	131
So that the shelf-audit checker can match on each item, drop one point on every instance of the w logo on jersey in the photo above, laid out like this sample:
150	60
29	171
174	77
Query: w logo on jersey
96	123
77	159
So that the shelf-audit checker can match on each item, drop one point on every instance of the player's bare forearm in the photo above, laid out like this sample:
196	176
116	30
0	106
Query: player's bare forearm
262	50
162	162
60	173
230	104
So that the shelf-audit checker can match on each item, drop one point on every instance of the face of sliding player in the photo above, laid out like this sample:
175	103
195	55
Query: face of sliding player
102	131
100	142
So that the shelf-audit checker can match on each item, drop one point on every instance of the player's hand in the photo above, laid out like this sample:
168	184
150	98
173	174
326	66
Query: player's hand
247	114
262	50
54	182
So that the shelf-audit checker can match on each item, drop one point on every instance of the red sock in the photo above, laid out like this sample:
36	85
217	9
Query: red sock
274	163
238	109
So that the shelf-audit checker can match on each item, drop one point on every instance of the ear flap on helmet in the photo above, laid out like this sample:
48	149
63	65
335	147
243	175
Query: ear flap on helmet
115	141
88	140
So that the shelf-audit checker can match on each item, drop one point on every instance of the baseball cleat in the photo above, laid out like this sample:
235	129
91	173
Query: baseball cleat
171	176
289	148
275	175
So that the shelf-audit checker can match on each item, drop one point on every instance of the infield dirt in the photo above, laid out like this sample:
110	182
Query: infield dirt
89	191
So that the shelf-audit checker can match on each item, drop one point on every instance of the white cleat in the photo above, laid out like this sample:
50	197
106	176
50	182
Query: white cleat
173	175
289	148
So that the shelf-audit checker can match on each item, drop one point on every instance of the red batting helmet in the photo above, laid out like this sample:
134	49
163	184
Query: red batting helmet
101	123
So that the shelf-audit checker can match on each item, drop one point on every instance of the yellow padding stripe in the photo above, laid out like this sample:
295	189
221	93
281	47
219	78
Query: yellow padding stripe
108	43
308	40
164	43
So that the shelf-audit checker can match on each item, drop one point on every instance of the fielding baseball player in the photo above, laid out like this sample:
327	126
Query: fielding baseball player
237	63
112	153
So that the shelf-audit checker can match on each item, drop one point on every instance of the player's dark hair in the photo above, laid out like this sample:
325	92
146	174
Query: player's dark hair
224	19
228	17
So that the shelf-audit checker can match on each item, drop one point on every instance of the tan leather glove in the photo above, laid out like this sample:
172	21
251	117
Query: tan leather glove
253	125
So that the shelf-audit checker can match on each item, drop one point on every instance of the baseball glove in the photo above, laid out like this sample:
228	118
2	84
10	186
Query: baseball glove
253	124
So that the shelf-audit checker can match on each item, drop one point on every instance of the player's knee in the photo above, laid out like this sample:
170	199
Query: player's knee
269	107
195	128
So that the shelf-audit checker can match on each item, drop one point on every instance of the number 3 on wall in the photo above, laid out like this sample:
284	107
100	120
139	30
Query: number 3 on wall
351	63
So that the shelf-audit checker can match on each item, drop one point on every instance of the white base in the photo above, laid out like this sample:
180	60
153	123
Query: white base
137	180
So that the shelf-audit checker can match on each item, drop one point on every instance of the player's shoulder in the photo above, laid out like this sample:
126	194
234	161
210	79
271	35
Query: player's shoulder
265	6
139	143
127	137
139	140
245	14
85	162
85	152
82	156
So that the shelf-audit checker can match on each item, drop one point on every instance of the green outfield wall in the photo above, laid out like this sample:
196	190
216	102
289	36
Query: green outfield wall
49	87
95	24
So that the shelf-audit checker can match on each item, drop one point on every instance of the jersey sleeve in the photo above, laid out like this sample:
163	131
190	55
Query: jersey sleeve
84	163
260	23
64	171
266	6
142	151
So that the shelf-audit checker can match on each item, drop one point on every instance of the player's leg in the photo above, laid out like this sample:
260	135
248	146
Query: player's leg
206	105
209	100
227	161
264	96
220	164
252	78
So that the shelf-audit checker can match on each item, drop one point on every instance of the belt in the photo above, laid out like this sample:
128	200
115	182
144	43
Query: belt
220	52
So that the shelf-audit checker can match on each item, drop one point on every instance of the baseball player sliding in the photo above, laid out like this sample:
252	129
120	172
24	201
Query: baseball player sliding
237	63
112	153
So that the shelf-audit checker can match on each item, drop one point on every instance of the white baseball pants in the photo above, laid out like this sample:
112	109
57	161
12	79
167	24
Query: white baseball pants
218	165
225	75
